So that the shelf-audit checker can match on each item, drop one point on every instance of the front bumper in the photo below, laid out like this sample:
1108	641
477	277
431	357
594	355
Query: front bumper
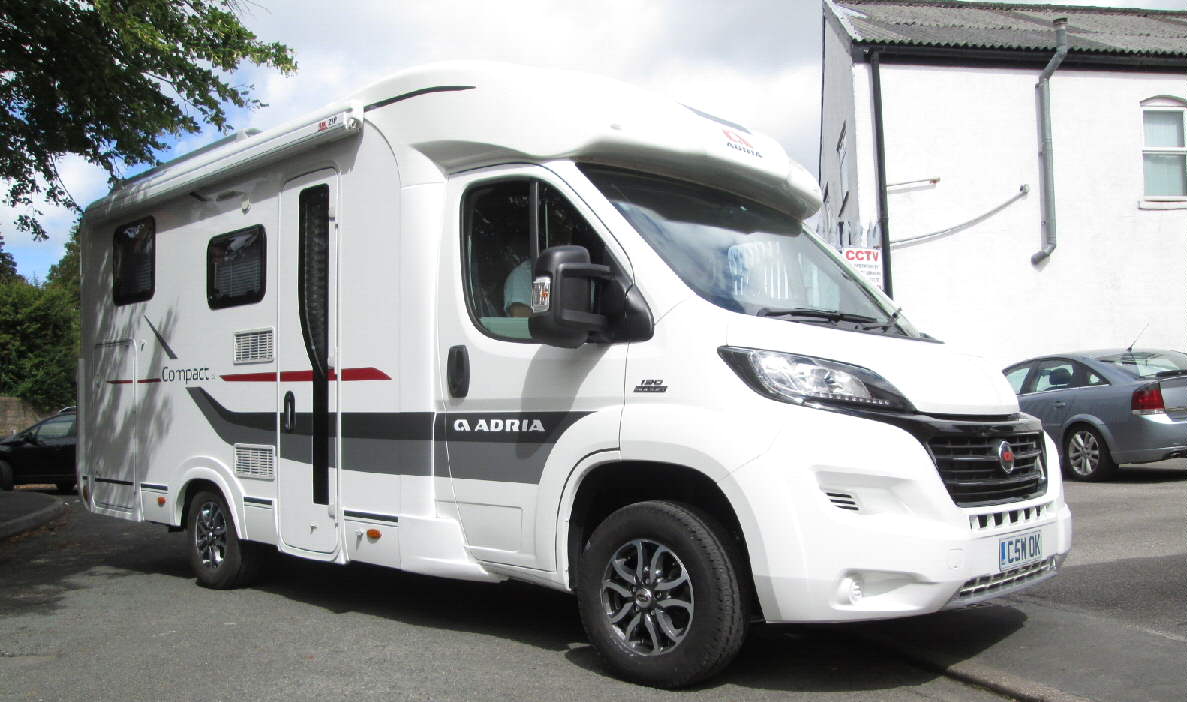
865	529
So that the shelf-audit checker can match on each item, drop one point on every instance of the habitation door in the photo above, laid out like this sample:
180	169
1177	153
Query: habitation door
306	349
112	456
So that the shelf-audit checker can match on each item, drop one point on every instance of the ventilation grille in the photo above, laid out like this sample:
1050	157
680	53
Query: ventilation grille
1011	519
253	346
843	500
255	462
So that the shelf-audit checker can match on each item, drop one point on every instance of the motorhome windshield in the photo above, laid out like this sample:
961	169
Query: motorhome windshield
744	256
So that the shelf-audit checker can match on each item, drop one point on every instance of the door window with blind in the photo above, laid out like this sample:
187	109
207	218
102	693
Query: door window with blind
235	268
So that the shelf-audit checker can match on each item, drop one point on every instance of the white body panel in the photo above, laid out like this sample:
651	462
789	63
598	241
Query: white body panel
484	486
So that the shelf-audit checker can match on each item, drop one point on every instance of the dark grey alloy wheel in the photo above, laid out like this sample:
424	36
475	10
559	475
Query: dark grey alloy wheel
660	594
647	596
1086	456
218	557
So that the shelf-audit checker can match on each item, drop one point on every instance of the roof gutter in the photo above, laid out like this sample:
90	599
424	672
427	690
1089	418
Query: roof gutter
1043	88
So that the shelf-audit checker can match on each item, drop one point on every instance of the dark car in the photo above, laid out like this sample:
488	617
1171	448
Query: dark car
43	453
1108	407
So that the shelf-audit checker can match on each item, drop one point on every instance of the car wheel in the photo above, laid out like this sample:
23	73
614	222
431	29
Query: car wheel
219	559
1086	456
5	476
659	594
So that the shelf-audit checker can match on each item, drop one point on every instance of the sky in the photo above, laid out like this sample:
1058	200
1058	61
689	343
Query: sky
754	62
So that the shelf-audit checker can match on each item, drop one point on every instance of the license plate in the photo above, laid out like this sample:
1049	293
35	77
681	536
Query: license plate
1019	549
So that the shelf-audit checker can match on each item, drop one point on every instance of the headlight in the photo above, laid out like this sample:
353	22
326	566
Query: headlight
813	381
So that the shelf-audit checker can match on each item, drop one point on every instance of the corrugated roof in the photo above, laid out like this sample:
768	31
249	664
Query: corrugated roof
984	25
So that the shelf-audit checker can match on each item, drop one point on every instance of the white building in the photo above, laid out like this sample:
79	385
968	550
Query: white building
931	124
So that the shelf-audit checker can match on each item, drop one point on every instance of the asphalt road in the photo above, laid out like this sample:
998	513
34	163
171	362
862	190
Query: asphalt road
95	608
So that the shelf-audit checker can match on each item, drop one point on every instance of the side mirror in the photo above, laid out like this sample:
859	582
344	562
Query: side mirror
562	297
563	301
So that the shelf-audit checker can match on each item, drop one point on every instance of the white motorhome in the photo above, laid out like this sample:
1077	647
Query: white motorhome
489	322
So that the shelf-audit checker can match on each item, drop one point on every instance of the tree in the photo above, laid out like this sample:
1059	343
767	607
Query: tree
7	265
38	342
108	80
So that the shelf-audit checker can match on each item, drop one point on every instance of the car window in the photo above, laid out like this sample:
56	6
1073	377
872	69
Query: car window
1016	376
55	428
1055	374
498	248
1147	364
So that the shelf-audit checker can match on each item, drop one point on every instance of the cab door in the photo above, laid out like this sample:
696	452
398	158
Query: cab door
307	385
512	406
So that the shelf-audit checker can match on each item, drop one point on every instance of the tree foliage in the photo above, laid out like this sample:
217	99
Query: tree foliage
108	80
38	344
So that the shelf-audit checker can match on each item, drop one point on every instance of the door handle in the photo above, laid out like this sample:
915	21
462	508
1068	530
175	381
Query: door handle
457	370
290	413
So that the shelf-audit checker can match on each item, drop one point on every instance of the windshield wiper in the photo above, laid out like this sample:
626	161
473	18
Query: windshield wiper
813	313
885	326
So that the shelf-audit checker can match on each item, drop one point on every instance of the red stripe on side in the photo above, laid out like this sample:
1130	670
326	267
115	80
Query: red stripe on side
364	374
348	374
119	382
250	378
149	380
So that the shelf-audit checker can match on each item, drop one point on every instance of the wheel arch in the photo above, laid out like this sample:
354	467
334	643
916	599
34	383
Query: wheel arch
612	485
197	477
1092	422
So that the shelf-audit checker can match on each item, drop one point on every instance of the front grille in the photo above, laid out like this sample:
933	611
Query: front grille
973	475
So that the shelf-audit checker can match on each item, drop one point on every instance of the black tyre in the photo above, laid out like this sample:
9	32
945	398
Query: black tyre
5	476
1086	456
65	485
218	557
659	595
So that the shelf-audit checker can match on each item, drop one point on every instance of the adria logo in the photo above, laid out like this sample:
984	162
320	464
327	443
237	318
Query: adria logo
737	142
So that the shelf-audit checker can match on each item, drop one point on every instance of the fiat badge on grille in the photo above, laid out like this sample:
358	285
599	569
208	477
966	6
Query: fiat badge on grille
1005	457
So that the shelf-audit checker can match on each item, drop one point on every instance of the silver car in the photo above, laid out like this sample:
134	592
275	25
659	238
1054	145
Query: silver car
1104	408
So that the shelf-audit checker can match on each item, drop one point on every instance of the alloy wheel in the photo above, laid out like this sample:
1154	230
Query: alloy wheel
1084	453
210	534
647	597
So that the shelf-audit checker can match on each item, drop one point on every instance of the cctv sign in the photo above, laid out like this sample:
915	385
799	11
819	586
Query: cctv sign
868	262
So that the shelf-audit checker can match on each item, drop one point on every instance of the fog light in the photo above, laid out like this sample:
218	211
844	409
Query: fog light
850	590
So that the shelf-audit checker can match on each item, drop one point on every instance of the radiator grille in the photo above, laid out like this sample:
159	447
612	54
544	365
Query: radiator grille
253	346
973	475
255	462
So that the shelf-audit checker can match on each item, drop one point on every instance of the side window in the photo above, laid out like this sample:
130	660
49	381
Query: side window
1016	376
55	428
1056	374
1093	378
235	268
134	259
498	248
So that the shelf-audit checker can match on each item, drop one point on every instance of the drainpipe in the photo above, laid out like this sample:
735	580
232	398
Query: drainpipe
880	167
1043	88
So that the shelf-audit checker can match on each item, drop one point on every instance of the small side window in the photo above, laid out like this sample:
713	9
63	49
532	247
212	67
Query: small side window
500	221
235	268
134	258
1016	376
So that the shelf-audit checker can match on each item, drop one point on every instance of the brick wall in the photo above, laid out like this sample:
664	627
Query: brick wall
15	414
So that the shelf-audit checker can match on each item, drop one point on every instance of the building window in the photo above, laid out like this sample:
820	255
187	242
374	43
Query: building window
134	252
235	268
1164	149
